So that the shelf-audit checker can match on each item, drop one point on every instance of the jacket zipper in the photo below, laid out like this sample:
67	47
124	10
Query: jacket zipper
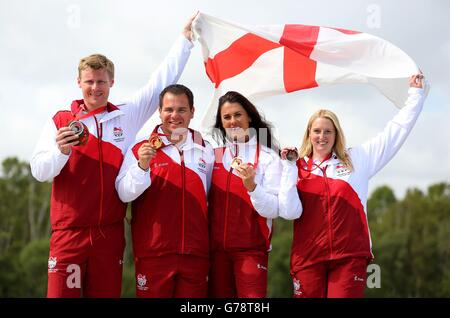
226	206
100	153
183	188
227	195
330	219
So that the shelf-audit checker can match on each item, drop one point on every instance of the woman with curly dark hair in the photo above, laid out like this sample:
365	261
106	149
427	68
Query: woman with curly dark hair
243	199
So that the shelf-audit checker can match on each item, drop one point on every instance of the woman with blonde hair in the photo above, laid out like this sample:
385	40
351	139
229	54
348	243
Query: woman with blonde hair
325	190
339	144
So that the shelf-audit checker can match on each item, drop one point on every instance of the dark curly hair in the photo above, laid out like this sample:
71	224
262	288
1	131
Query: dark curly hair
257	121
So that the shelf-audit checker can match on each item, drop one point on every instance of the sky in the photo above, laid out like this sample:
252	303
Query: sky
42	41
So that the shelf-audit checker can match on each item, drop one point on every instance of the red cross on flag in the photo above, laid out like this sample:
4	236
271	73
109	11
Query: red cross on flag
261	61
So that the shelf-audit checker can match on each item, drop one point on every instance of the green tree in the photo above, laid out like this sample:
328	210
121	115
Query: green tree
381	199
33	263
25	225
24	208
279	279
410	236
11	275
411	243
128	277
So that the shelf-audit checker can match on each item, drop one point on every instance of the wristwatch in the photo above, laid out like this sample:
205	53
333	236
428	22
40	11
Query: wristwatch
146	170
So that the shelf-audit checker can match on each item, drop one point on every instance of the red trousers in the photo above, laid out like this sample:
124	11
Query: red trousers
86	262
172	276
238	274
343	278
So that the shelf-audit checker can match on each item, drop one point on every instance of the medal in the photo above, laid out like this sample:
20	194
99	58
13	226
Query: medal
236	162
155	141
292	155
80	130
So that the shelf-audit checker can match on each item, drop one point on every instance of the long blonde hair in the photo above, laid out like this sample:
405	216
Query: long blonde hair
339	147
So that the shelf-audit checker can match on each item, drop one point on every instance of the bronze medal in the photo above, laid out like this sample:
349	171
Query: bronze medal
292	155
80	130
236	162
155	142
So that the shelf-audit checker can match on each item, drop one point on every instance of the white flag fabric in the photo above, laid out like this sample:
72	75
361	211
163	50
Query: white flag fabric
261	61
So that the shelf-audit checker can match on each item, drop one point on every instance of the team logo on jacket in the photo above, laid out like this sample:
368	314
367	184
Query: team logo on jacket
358	279
52	261
160	164
201	165
297	287
342	171
259	266
141	282
118	134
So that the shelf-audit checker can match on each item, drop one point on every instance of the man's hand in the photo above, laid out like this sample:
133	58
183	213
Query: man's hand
65	139
146	153
187	30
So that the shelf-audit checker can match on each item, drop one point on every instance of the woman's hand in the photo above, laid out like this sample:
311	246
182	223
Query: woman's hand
289	153
247	174
416	81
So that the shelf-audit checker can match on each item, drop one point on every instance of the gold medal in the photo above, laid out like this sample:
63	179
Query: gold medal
155	142
236	162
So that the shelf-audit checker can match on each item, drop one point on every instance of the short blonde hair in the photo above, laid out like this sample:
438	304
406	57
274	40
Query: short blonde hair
339	146
96	62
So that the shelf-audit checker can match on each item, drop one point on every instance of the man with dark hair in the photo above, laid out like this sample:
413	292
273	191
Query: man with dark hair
82	150
168	174
177	89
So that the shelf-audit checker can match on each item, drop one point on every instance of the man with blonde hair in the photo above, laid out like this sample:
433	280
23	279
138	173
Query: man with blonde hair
96	62
82	150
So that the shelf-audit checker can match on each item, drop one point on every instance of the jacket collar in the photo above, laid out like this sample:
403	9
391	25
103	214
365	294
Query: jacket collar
252	142
112	111
333	160
193	139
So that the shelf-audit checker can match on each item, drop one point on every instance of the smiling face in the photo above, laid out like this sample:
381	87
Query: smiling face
175	113
322	136
235	121
95	85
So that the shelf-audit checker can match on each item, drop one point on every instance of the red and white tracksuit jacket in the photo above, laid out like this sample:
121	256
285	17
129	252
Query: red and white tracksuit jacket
83	193
333	223
170	214
242	220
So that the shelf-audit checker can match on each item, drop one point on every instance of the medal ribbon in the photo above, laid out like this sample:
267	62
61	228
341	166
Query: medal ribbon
80	115
156	133
235	155
153	135
310	169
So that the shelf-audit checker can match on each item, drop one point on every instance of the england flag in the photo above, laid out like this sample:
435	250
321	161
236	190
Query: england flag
261	61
